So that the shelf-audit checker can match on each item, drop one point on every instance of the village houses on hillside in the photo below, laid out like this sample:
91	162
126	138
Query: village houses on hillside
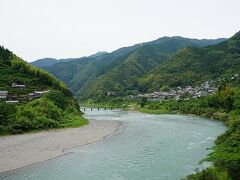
179	92
3	94
15	98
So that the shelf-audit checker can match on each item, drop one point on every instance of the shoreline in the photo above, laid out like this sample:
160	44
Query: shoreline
18	151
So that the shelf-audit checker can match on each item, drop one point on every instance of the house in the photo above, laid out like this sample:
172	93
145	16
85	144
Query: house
188	87
109	93
3	94
131	96
12	102
14	85
37	94
32	96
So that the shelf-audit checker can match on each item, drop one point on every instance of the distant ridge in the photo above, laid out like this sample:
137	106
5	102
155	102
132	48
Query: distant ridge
44	62
192	66
119	70
98	54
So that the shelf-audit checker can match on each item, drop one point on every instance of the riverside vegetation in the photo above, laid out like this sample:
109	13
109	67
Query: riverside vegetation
58	108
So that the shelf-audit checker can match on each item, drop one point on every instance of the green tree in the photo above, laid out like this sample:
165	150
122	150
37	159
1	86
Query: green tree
6	113
142	101
58	98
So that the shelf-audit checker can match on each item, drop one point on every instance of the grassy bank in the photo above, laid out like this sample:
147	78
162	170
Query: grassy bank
74	121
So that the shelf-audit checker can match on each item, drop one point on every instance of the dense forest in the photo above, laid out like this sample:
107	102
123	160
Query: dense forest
56	108
122	77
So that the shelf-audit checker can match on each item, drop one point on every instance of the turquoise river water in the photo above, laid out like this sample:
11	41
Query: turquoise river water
146	147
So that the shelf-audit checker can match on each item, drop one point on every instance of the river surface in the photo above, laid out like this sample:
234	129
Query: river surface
151	147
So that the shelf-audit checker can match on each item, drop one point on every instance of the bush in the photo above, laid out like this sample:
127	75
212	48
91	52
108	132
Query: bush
211	173
38	114
4	130
6	112
58	98
226	153
220	116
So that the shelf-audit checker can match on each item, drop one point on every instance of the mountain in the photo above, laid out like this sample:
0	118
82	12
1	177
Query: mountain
78	72
15	70
122	77
120	69
199	42
193	66
98	54
31	98
44	62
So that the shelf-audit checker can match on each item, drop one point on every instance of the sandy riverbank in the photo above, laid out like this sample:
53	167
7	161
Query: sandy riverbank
22	150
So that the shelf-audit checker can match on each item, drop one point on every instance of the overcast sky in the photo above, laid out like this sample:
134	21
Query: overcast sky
36	29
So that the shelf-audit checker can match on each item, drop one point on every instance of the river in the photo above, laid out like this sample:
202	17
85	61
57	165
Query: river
154	147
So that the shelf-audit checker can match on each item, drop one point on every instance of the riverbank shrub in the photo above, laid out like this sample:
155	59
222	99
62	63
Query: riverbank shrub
211	173
38	114
6	113
226	153
51	110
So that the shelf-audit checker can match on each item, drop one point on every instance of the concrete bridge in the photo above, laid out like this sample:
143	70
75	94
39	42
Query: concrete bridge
97	108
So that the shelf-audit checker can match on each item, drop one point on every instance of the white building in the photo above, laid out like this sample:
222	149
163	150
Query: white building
3	94
14	85
12	102
37	94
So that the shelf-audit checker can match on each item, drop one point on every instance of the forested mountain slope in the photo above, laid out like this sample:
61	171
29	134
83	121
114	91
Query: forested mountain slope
193	66
122	78
79	73
33	99
44	62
